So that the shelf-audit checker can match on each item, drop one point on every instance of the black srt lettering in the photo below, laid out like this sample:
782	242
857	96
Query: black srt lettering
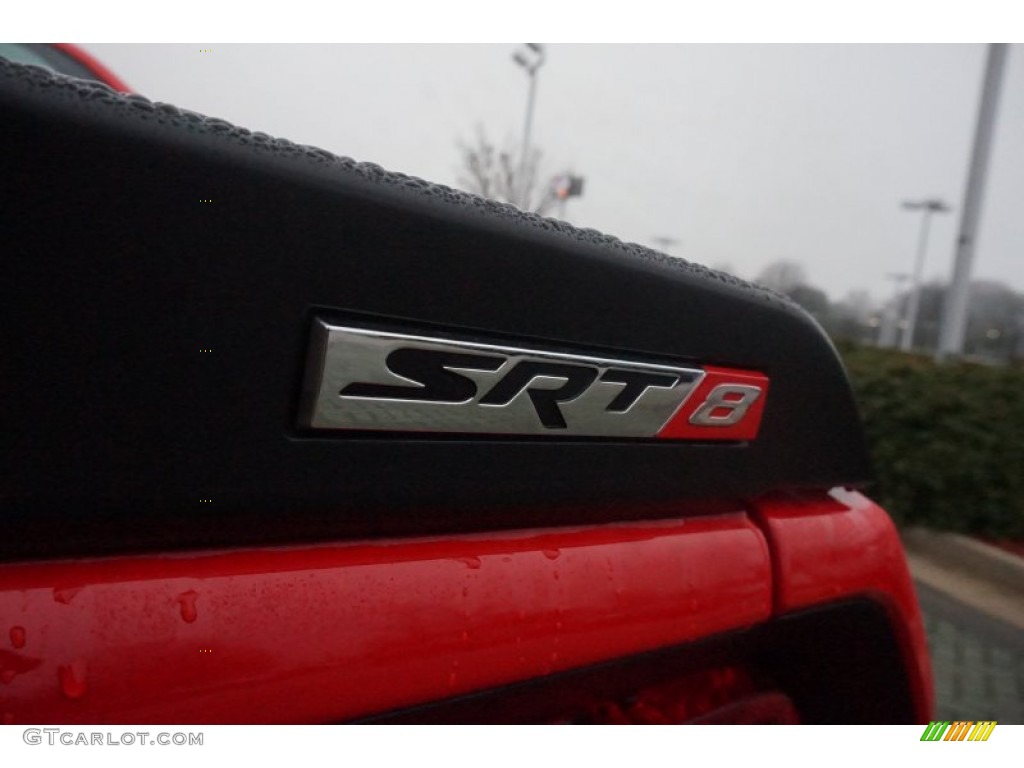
545	401
429	369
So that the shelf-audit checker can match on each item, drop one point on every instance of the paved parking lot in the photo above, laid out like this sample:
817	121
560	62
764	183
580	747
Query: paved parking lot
978	661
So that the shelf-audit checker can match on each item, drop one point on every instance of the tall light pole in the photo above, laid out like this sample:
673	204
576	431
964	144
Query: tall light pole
928	207
530	58
954	313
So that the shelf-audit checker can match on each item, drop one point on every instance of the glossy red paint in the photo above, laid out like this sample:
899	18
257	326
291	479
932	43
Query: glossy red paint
680	428
826	547
102	73
310	634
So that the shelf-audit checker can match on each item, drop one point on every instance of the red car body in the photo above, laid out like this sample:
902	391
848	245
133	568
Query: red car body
786	605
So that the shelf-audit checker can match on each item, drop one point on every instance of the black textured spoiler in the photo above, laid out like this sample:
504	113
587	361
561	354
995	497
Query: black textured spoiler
120	431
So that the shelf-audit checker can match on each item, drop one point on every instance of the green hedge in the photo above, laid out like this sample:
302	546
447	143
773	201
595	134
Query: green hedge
947	440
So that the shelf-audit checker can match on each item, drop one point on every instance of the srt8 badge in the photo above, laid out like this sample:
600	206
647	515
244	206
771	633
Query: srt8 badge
364	379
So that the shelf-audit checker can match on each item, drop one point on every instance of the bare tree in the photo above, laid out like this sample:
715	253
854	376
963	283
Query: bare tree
783	276
491	172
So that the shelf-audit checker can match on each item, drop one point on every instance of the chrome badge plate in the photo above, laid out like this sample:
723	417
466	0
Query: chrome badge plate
361	379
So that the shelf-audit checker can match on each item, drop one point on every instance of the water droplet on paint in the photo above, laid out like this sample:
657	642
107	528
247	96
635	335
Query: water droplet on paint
72	679
18	637
552	554
187	602
13	664
65	595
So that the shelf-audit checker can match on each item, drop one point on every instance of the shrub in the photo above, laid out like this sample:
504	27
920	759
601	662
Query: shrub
947	440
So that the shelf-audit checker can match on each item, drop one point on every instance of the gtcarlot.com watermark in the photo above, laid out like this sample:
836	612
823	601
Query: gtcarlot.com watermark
55	736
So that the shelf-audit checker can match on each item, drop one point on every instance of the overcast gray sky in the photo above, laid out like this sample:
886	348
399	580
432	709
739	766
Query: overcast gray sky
744	153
